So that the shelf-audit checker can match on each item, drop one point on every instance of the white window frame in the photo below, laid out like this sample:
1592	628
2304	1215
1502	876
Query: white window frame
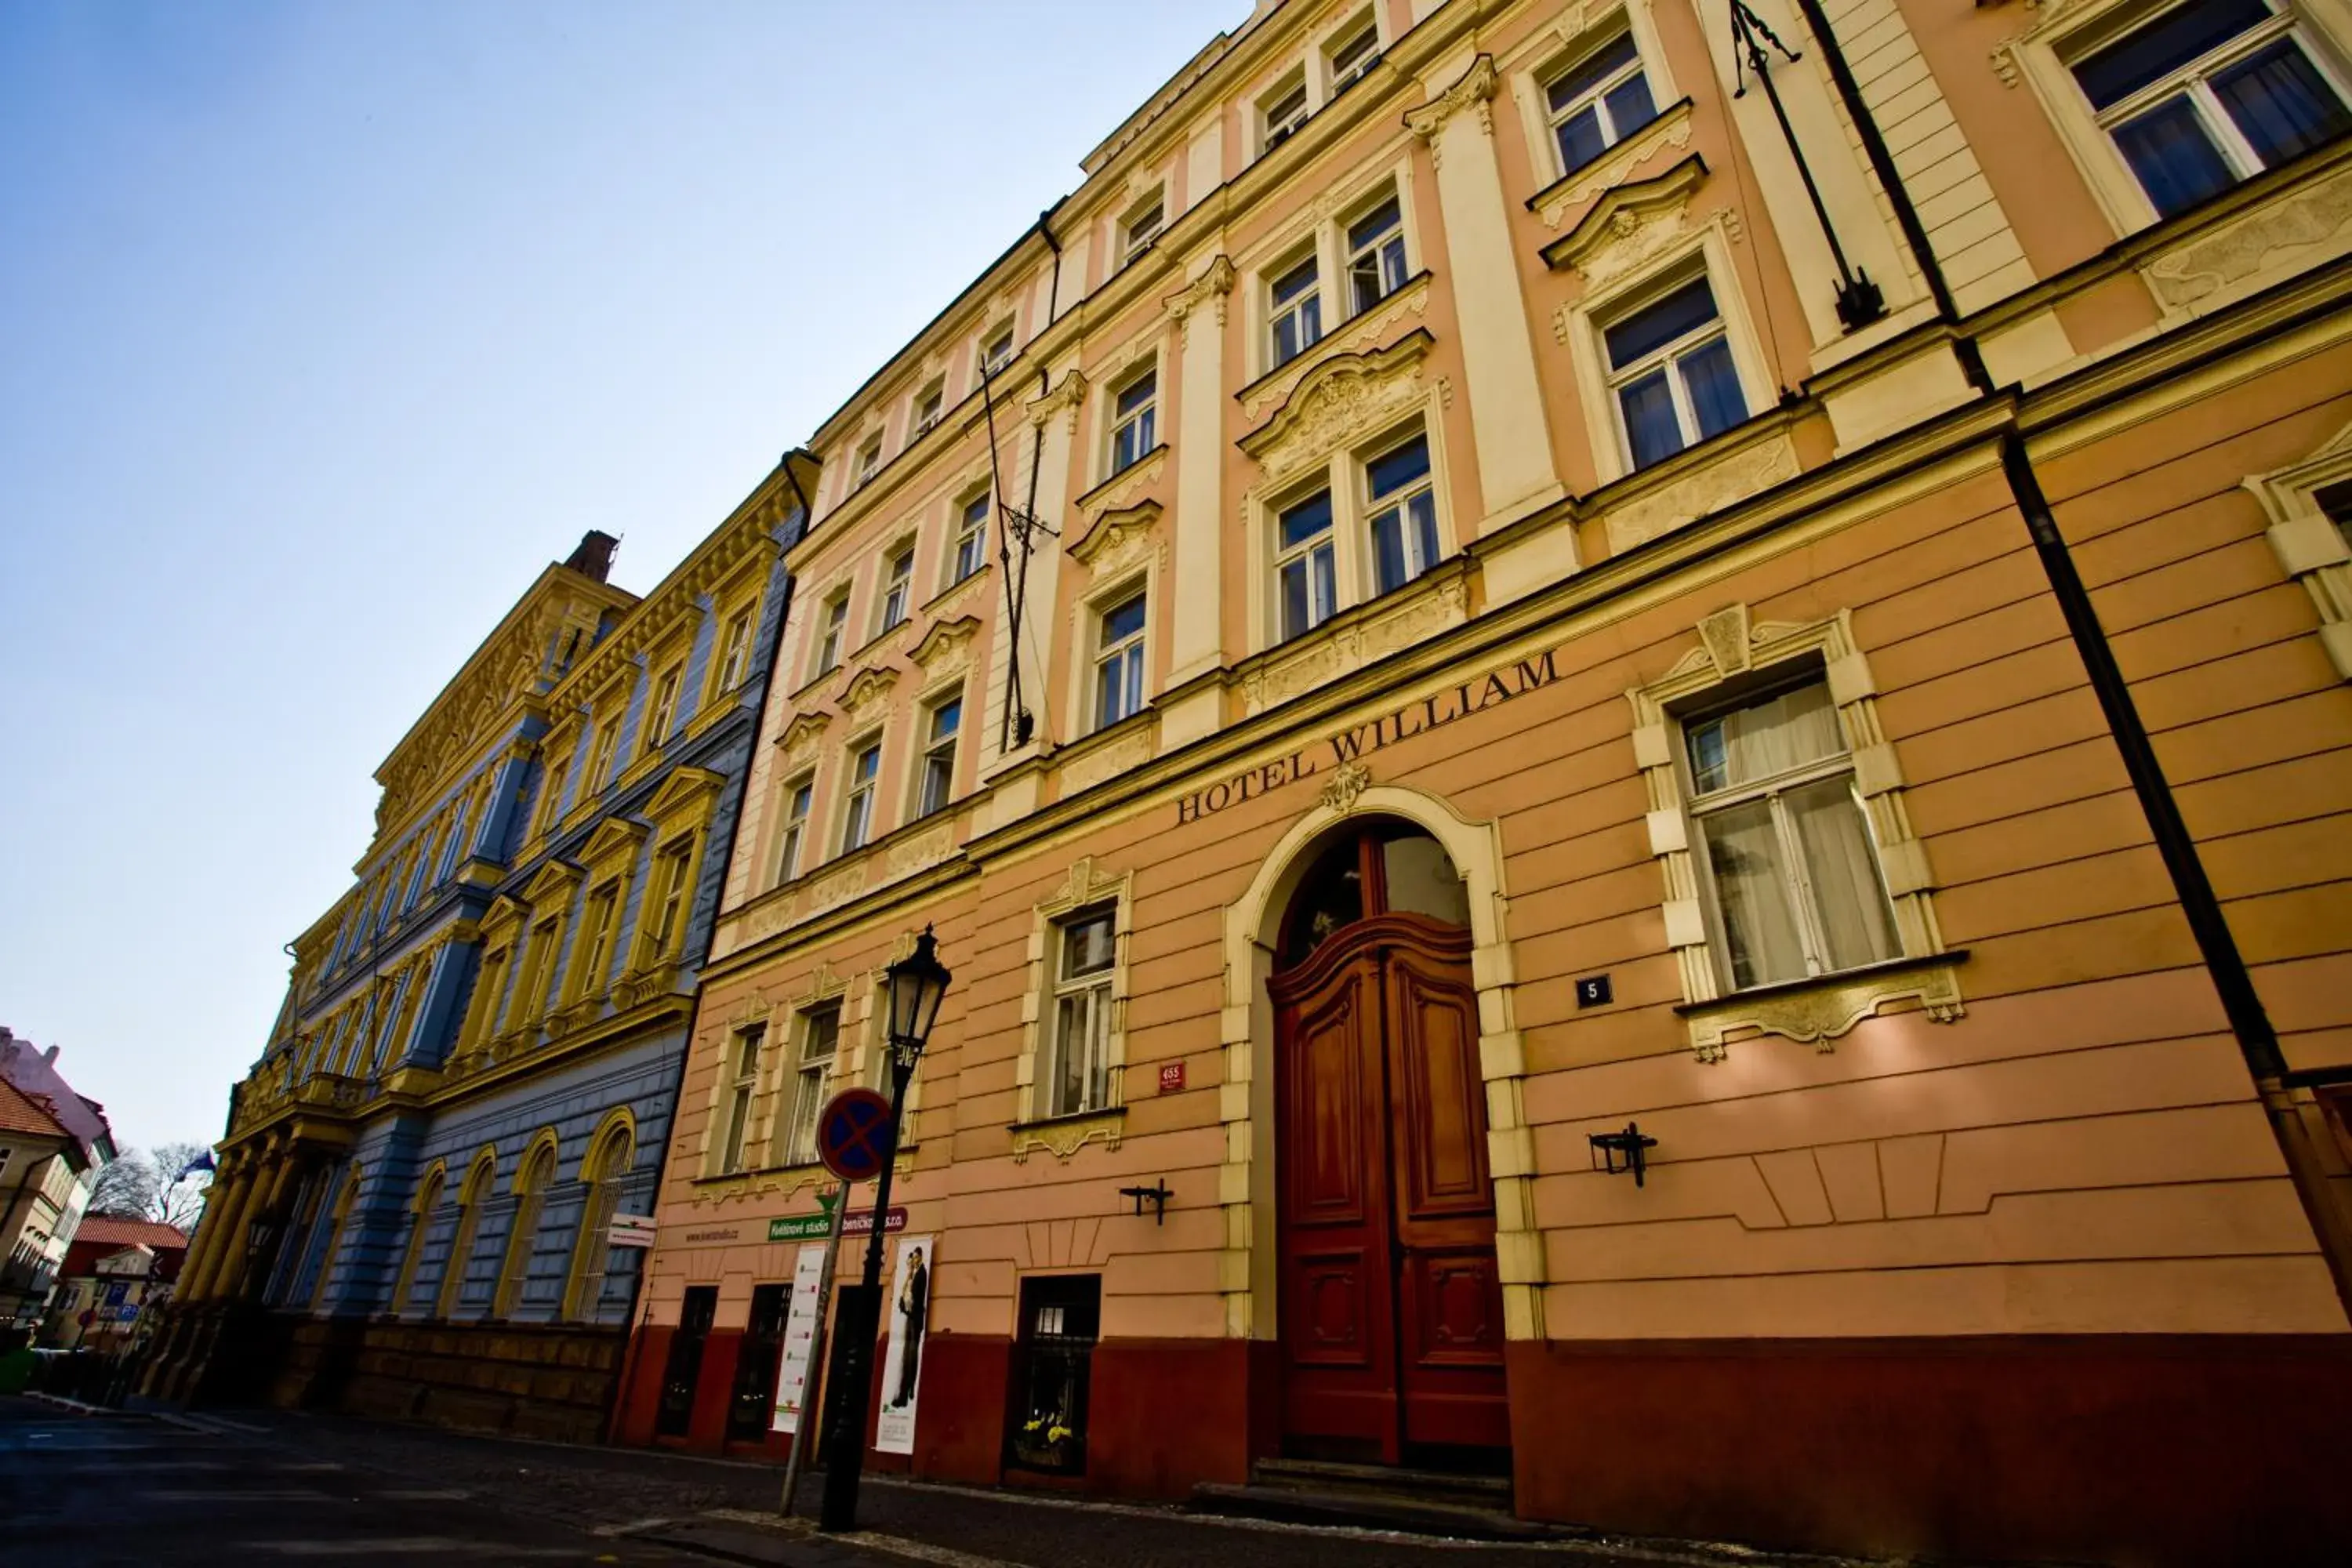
831	632
1734	650
2042	57
1346	36
1131	243
798	795
1002	332
936	749
1351	254
1372	508
1343	473
1278	310
741	1094
1095	990
1273	131
972	532
929	405
1302	554
1668	357
868	462
1143	420
1323	239
805	1089
859	795
1588	45
1132	651
896	601
1582	323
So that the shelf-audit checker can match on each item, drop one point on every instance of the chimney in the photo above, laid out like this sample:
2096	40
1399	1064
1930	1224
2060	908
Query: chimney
594	556
50	1056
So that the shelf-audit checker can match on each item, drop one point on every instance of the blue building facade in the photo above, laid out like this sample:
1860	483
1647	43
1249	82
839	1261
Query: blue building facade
473	1074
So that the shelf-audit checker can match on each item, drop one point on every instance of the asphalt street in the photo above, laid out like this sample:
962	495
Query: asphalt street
260	1486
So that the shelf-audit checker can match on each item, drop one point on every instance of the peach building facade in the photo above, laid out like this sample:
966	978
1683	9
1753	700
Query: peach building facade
1768	578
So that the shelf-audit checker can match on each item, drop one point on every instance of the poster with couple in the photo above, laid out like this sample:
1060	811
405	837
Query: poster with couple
909	1301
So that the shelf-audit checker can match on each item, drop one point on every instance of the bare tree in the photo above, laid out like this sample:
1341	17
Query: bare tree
181	1193
128	1186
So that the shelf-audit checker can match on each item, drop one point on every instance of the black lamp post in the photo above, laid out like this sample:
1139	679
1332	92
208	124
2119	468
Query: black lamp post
916	983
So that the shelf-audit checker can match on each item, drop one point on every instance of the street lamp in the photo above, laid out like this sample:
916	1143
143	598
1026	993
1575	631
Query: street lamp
916	983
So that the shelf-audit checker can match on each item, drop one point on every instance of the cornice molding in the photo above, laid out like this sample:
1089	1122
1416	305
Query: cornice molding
1113	533
1338	400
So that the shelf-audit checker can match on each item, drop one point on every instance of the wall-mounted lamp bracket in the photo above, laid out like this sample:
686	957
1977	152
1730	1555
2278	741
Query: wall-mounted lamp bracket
1158	1194
1631	1146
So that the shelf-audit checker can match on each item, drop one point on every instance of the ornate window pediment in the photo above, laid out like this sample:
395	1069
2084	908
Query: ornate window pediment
1339	402
1115	537
943	646
615	838
1629	224
682	792
867	689
804	736
552	882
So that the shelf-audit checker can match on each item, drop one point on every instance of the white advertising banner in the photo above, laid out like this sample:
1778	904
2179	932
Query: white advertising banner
902	1359
799	1334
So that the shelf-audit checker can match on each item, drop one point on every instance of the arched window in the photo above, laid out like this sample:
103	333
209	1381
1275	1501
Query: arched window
535	1174
607	1165
344	1203
469	1221
428	1198
1384	867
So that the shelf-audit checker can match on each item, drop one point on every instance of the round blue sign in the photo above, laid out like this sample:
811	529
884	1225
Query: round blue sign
852	1134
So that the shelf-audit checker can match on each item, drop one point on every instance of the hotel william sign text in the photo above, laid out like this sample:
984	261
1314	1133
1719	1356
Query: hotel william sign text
1352	745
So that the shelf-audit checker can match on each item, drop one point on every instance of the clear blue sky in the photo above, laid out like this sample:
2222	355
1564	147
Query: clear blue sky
323	327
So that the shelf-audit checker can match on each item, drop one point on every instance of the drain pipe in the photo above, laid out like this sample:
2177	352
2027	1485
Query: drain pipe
2241	1003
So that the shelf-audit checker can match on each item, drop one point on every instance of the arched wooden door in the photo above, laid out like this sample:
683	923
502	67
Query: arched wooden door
1391	1314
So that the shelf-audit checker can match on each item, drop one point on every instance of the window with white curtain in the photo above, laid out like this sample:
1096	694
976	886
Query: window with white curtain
2208	93
1784	840
1079	1075
820	1037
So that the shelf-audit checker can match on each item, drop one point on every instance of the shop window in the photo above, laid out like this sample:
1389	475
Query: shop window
674	1414
752	1404
1671	374
1053	1358
2205	94
1078	1078
1794	876
1598	101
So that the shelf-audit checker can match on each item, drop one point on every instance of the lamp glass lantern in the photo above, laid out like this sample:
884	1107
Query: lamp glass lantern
916	983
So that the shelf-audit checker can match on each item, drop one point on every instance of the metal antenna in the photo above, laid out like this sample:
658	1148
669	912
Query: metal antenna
1016	527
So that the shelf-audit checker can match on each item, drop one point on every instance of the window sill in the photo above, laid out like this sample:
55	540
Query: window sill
1819	1008
1133	473
1063	1136
932	605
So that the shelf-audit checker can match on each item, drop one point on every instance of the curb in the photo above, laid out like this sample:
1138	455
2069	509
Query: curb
73	1406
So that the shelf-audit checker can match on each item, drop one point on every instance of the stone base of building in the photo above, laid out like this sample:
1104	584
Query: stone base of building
548	1380
2115	1449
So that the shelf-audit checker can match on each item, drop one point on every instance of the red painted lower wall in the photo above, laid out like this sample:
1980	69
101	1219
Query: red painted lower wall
1165	1415
2115	1449
960	1425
